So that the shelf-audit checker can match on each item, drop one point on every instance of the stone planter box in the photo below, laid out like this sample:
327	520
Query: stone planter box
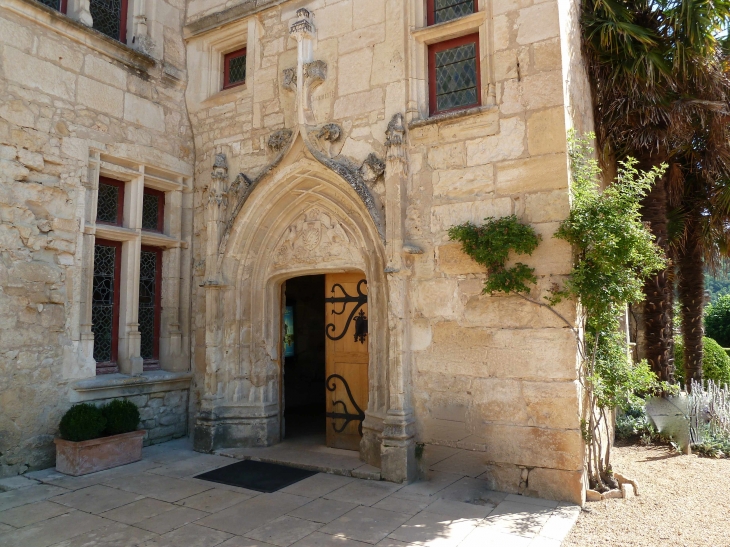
98	454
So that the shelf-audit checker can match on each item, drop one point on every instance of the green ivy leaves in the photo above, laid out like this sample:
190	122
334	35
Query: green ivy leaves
490	245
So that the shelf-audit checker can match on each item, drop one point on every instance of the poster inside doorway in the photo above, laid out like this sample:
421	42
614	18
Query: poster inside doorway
288	331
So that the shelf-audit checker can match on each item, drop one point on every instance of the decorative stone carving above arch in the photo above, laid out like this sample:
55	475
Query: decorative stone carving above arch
317	237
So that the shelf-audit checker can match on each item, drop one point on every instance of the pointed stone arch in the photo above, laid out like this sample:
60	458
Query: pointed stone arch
301	219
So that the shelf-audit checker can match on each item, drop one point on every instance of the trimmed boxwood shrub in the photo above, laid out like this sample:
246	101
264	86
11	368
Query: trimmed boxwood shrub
715	362
122	416
82	423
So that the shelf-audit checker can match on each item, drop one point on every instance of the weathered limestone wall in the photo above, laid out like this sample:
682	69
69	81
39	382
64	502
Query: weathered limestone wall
67	92
491	380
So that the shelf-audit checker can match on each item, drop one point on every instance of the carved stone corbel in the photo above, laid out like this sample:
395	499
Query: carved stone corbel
279	140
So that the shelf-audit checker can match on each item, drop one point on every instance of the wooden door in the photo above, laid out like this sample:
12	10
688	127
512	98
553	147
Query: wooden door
346	332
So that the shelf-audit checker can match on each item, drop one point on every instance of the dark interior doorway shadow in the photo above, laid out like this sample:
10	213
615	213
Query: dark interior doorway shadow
304	362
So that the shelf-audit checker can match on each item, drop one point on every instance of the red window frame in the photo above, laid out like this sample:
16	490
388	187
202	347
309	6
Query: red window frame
63	6
227	68
154	363
120	200
111	367
123	22
160	208
431	11
433	49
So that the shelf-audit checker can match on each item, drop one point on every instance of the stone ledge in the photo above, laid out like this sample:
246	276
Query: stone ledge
121	385
213	21
80	33
450	29
449	116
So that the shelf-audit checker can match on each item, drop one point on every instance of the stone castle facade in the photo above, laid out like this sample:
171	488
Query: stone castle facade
212	149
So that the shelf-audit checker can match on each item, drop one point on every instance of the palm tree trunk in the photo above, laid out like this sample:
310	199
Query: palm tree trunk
691	296
657	290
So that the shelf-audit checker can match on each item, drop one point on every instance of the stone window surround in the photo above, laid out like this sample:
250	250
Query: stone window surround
237	35
136	177
423	35
72	26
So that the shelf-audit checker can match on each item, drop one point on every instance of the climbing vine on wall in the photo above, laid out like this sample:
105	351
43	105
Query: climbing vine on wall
614	254
490	245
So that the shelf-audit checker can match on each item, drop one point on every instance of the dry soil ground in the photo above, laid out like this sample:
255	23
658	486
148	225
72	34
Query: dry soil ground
683	501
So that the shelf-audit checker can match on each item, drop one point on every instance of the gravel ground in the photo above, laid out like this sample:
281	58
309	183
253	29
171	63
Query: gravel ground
683	501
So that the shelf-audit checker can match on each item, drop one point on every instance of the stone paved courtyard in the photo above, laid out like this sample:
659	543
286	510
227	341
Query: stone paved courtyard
157	503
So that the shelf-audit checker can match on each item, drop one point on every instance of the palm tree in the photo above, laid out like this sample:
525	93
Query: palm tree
652	84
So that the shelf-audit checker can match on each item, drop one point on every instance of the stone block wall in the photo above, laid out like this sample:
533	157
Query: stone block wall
66	92
164	415
492	379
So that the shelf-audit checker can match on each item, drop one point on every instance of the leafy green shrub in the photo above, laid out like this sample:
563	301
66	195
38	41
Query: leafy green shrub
82	423
122	416
715	362
633	422
717	321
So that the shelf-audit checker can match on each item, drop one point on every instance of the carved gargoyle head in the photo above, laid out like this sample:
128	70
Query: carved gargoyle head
372	168
330	132
279	140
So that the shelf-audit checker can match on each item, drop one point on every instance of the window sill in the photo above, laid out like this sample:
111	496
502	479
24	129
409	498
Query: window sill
454	115
122	385
156	239
224	96
114	233
450	29
78	32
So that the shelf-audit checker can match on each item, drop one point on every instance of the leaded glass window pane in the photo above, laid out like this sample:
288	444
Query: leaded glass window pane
456	77
237	70
147	302
446	10
55	4
107	16
150	212
107	207
102	304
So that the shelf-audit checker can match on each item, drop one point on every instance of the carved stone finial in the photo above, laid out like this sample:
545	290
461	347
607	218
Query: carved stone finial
372	168
279	140
395	134
302	27
220	167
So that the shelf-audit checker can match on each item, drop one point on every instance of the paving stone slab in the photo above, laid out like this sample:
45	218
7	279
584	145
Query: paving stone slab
96	499
317	485
190	535
283	531
191	466
25	515
212	501
115	534
471	490
436	482
247	515
366	524
53	531
318	539
434	530
409	505
24	496
170	520
162	488
13	483
364	492
138	510
459	509
323	510
482	537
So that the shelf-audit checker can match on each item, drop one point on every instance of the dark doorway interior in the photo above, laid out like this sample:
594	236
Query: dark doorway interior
304	372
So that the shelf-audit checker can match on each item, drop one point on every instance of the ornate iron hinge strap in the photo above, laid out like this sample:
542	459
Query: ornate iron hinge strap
361	321
345	414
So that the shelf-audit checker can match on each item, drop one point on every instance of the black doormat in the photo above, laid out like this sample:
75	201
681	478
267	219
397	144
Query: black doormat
259	476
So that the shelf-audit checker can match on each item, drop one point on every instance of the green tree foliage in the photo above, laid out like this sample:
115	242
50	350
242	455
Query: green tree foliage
122	416
717	321
490	245
82	423
715	361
